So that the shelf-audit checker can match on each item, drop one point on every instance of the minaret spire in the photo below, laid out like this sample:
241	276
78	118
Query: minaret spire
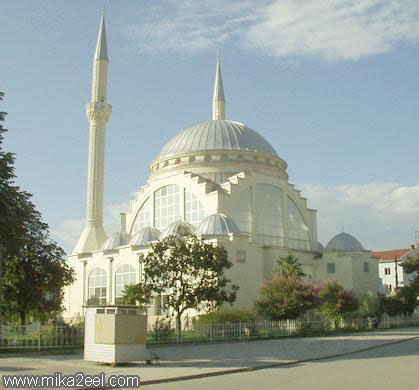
218	101
98	112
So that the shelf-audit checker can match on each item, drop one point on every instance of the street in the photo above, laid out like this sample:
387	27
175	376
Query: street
393	367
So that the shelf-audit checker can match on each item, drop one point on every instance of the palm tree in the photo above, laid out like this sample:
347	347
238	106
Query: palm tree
289	266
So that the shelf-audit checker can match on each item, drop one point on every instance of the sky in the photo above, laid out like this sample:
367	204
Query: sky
332	84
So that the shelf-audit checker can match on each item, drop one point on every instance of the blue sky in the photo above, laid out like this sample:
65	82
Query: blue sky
332	84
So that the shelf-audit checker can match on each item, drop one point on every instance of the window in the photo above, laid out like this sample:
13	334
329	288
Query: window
366	267
241	256
97	287
166	206
143	217
387	271
331	269
194	211
124	276
298	237
241	211
268	215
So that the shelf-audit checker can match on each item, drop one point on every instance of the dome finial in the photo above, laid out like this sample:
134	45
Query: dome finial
218	101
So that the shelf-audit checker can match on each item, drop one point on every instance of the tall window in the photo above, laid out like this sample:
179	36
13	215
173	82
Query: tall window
298	237
124	276
143	217
166	206
241	211
268	214
97	287
194	210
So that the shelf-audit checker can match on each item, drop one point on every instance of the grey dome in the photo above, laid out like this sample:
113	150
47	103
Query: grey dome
217	224
115	241
144	236
217	135
320	247
344	242
177	228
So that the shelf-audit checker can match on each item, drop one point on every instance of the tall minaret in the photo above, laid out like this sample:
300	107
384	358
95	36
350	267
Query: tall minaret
98	113
218	101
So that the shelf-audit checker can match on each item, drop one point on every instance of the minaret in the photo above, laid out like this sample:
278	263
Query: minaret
98	113
218	101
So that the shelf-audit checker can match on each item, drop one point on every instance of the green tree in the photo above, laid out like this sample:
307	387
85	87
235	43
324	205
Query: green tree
370	305
135	294
411	266
190	272
32	270
336	302
286	297
289	267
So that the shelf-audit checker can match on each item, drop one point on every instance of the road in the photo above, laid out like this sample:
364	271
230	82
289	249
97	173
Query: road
393	367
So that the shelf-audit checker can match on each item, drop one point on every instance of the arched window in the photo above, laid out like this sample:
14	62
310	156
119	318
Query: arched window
298	237
268	214
241	211
166	206
143	217
124	276
96	286
194	210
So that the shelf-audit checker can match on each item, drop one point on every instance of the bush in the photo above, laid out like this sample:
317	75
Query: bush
227	315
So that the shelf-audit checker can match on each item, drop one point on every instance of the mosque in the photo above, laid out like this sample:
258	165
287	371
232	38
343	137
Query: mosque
220	180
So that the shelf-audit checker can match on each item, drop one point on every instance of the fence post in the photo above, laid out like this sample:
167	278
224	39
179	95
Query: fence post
39	337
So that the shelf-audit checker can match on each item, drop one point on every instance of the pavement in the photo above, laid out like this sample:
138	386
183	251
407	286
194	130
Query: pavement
181	362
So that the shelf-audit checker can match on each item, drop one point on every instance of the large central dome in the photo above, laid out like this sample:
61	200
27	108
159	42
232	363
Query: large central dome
217	135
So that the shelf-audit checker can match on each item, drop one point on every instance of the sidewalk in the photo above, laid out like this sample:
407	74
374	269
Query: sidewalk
211	359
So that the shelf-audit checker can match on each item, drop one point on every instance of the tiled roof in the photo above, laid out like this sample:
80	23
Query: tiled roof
390	255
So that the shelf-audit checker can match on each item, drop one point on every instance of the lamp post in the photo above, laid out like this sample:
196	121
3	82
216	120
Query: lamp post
395	269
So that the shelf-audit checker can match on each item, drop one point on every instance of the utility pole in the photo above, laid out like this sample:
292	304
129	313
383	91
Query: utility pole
395	269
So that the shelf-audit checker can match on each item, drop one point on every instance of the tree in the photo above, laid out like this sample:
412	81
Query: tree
190	272
371	305
336	302
32	270
411	266
286	297
289	267
135	294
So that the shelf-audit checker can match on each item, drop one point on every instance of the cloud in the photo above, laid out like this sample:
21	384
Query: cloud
68	231
330	30
380	215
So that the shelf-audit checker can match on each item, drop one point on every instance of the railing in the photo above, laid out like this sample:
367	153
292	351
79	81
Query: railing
37	338
55	337
210	332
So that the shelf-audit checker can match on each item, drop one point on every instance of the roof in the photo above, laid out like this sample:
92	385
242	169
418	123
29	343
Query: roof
344	242
217	135
144	236
115	241
391	254
101	47
177	228
217	224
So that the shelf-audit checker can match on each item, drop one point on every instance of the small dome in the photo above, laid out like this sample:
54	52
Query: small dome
115	241
177	228
217	224
144	236
344	242
217	135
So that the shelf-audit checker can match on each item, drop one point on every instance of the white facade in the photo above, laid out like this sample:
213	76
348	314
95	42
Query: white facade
218	168
391	271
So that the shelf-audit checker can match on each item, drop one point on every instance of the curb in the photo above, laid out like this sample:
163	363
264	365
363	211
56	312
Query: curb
266	366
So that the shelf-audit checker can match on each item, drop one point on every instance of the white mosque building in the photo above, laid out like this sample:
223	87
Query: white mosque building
220	180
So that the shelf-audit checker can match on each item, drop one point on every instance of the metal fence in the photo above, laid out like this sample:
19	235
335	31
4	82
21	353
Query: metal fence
36	337
54	337
161	332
